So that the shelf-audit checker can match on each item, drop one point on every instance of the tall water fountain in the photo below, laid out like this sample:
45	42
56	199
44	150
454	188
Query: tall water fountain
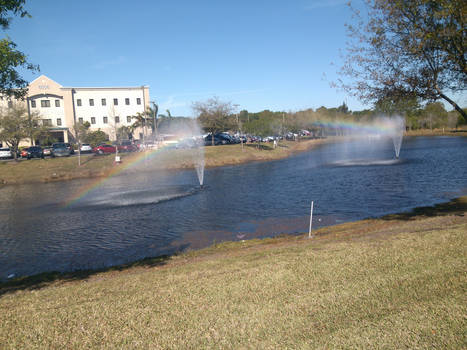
189	136
397	133
198	159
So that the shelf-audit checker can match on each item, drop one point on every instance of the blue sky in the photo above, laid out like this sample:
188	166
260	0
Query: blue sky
275	55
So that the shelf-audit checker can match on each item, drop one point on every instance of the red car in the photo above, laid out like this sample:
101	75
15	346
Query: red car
127	146
103	148
24	153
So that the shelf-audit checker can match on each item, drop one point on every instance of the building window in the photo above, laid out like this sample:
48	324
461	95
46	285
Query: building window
115	101
128	119
93	120
47	122
138	101
104	102
78	102
45	103
33	104
80	120
106	120
59	121
91	102
127	101
117	120
57	103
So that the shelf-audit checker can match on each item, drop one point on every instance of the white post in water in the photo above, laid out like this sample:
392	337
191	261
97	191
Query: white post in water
311	219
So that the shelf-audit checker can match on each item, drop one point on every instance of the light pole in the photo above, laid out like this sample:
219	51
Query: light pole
155	109
76	126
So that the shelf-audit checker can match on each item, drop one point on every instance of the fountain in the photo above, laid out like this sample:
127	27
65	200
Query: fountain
198	159
371	138
397	134
188	133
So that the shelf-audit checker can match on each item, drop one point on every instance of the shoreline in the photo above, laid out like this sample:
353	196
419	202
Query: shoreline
94	167
456	206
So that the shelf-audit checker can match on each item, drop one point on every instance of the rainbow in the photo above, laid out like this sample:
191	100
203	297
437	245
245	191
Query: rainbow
84	190
379	126
385	126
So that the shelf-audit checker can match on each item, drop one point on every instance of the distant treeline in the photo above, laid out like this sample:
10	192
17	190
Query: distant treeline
431	116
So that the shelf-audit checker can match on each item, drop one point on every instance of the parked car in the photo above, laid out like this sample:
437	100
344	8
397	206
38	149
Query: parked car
243	139
64	144
226	139
47	151
254	138
35	152
127	146
86	148
104	148
23	153
208	141
60	151
5	153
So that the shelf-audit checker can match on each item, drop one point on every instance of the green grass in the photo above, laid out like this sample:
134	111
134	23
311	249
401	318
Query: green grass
462	131
392	283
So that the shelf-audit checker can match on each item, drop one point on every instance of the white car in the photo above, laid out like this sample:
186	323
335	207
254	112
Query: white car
86	148
5	153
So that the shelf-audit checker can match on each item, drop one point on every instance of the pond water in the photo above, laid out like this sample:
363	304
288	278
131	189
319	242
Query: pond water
88	224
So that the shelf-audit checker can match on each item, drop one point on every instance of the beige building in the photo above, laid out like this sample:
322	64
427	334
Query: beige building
105	108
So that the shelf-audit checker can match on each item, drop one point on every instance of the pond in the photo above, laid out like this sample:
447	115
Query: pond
89	224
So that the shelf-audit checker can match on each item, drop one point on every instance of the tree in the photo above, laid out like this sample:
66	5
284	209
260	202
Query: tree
94	138
408	47
11	82
214	115
404	106
144	120
125	133
16	125
435	115
343	108
81	130
259	127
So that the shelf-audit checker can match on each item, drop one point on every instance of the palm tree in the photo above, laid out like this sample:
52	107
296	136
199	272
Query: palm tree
144	120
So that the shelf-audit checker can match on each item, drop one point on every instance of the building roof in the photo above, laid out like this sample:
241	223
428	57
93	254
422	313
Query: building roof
42	76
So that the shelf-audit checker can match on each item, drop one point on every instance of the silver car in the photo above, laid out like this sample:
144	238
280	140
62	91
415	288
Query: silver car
86	148
5	153
60	152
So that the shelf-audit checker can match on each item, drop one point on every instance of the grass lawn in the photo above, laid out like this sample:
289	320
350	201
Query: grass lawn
390	283
438	132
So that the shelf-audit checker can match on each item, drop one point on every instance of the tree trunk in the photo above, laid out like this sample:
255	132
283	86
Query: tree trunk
454	104
14	149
